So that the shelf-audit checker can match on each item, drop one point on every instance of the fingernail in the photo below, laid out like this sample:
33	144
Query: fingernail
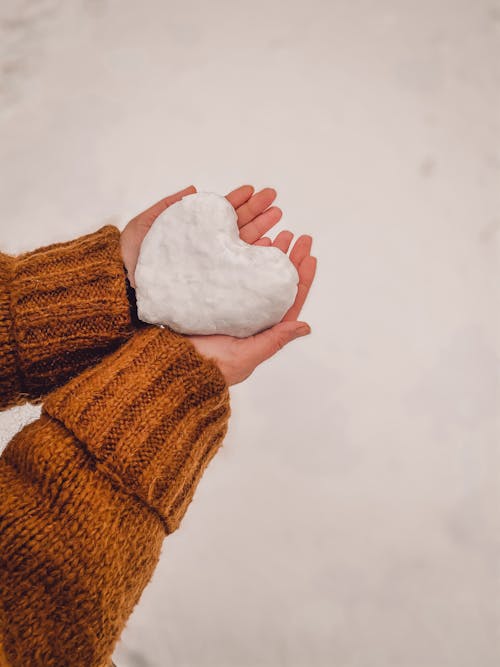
303	330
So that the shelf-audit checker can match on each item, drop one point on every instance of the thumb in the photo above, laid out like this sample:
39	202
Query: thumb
270	341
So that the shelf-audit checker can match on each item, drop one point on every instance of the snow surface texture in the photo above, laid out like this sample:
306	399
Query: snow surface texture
196	275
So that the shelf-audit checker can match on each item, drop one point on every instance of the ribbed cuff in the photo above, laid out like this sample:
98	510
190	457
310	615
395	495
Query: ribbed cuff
10	380
69	307
153	414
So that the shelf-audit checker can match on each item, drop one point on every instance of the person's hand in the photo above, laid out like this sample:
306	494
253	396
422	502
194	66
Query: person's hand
237	358
255	214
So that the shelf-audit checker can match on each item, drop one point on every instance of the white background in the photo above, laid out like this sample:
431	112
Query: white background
352	517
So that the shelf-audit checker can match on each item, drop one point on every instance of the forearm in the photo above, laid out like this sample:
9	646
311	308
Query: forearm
62	309
75	552
89	491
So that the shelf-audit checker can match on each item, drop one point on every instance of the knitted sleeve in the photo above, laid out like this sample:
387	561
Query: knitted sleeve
89	491
62	308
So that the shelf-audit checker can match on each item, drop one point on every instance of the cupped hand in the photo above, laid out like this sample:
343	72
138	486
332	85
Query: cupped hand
255	214
237	358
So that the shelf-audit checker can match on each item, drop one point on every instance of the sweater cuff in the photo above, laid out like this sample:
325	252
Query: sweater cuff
69	308
10	380
152	415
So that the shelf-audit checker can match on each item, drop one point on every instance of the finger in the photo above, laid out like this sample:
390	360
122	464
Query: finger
283	240
264	241
240	196
307	271
149	215
255	205
252	231
270	341
301	248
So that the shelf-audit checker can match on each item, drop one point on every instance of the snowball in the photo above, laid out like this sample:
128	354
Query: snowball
196	275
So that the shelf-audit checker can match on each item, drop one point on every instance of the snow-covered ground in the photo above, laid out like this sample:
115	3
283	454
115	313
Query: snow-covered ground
352	516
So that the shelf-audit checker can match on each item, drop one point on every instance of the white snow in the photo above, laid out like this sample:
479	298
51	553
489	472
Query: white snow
197	276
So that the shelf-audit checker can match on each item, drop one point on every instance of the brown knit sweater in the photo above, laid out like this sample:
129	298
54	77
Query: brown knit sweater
89	491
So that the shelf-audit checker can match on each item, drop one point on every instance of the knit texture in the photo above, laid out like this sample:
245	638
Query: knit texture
62	309
89	491
150	414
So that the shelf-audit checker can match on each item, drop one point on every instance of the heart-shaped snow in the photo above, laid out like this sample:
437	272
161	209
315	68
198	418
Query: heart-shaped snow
196	275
